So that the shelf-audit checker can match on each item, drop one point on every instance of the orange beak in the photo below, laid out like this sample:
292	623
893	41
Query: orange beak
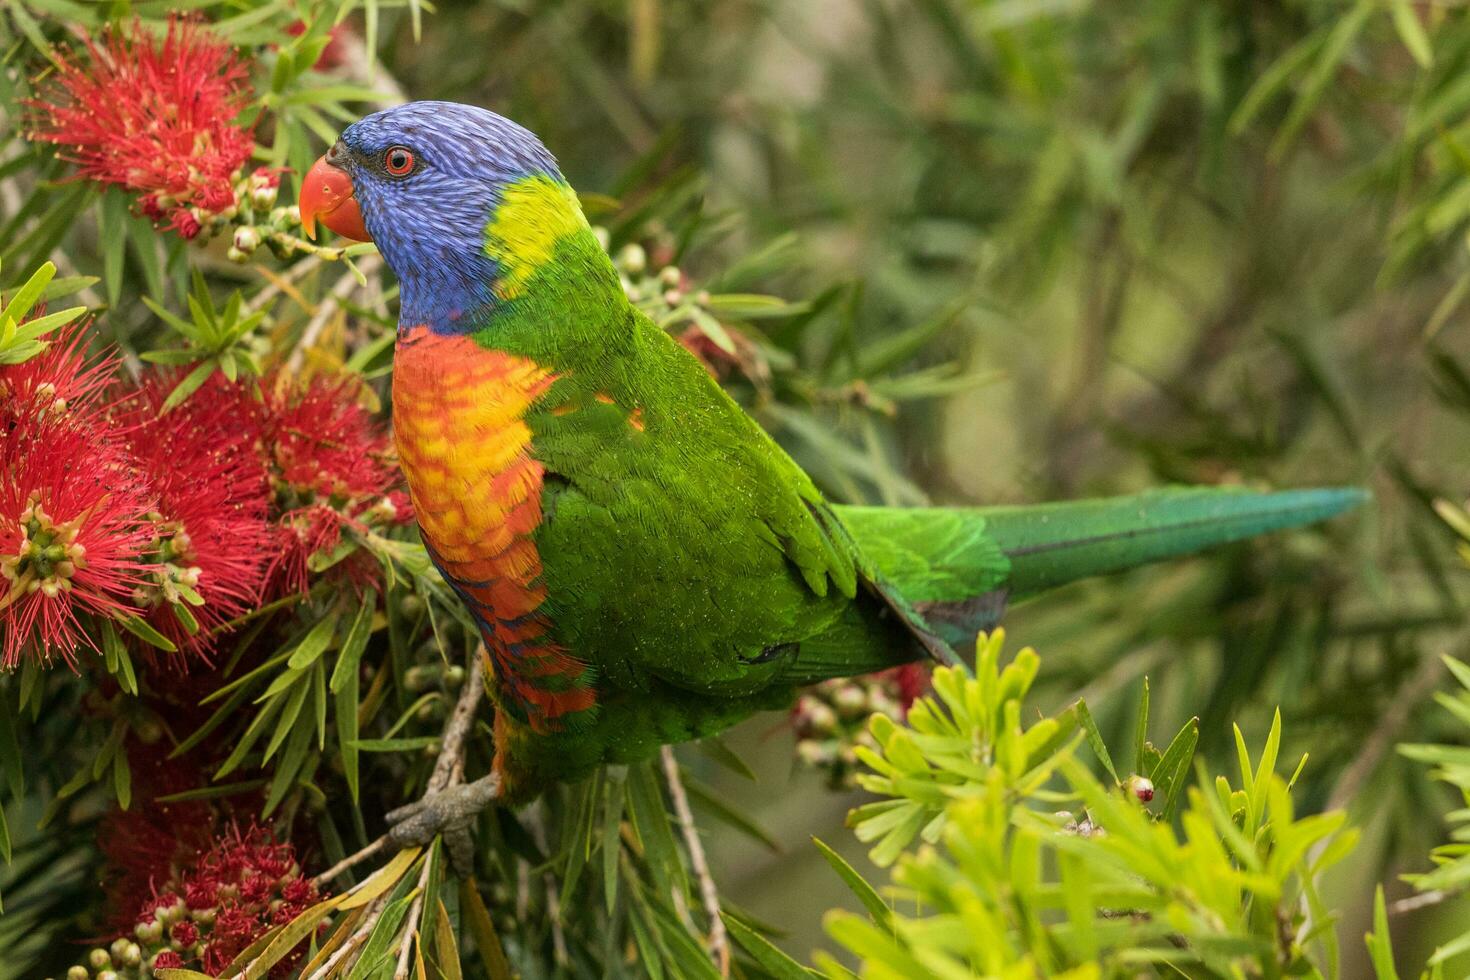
327	194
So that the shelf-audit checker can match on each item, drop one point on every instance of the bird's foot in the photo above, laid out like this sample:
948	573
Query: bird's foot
449	813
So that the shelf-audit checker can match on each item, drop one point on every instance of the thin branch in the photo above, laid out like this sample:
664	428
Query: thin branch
719	942
352	860
359	936
331	304
1405	701
1423	900
286	277
449	768
412	925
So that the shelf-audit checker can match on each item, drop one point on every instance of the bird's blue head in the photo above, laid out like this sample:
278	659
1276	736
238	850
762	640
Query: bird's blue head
426	182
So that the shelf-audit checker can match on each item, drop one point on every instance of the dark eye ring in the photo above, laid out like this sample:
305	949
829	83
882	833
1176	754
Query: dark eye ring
398	160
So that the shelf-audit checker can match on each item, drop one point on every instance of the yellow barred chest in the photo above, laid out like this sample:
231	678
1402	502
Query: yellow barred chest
459	422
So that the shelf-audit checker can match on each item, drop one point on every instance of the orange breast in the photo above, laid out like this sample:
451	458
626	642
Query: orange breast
459	421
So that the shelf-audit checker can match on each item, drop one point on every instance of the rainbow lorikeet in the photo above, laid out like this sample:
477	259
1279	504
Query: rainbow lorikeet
644	563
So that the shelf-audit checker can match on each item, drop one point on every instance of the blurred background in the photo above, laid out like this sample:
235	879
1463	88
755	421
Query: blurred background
1109	246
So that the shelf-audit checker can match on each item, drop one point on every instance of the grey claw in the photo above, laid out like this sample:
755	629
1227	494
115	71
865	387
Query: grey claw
450	813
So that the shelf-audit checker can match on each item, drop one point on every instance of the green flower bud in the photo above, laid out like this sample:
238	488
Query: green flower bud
247	239
420	678
263	197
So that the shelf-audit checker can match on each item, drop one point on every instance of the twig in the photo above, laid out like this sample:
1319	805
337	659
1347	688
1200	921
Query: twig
1423	900
1405	700
1345	791
360	935
449	768
719	942
553	895
285	277
329	305
412	924
351	860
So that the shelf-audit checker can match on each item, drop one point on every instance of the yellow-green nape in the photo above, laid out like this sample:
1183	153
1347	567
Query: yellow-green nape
534	214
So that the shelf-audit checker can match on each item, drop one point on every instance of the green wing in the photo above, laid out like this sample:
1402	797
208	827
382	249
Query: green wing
689	547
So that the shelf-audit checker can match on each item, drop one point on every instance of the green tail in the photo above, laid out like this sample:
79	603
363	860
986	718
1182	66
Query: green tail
959	566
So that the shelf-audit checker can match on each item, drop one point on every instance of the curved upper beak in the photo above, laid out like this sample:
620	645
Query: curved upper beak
327	194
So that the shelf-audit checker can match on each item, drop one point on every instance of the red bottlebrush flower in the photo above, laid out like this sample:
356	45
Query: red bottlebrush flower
56	381
71	530
154	118
212	540
229	893
332	467
326	446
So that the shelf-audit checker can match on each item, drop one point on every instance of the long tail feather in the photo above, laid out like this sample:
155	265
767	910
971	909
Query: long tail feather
1052	544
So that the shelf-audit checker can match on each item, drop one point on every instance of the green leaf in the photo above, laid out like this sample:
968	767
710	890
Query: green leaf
1411	32
1170	773
415	744
483	929
1380	945
1095	739
288	938
112	233
191	383
612	844
346	716
147	633
355	642
720	752
705	799
122	780
652	822
872	901
294	700
314	643
26	296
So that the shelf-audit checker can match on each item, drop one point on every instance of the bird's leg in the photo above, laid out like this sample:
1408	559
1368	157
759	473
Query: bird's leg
450	805
449	812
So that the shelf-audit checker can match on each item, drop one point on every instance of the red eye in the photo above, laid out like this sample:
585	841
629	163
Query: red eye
398	160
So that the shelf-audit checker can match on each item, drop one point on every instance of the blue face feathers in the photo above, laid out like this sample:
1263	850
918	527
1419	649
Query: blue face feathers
427	209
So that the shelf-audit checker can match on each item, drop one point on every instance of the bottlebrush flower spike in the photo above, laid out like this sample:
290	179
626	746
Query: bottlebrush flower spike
242	885
57	381
154	118
211	535
332	469
71	530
